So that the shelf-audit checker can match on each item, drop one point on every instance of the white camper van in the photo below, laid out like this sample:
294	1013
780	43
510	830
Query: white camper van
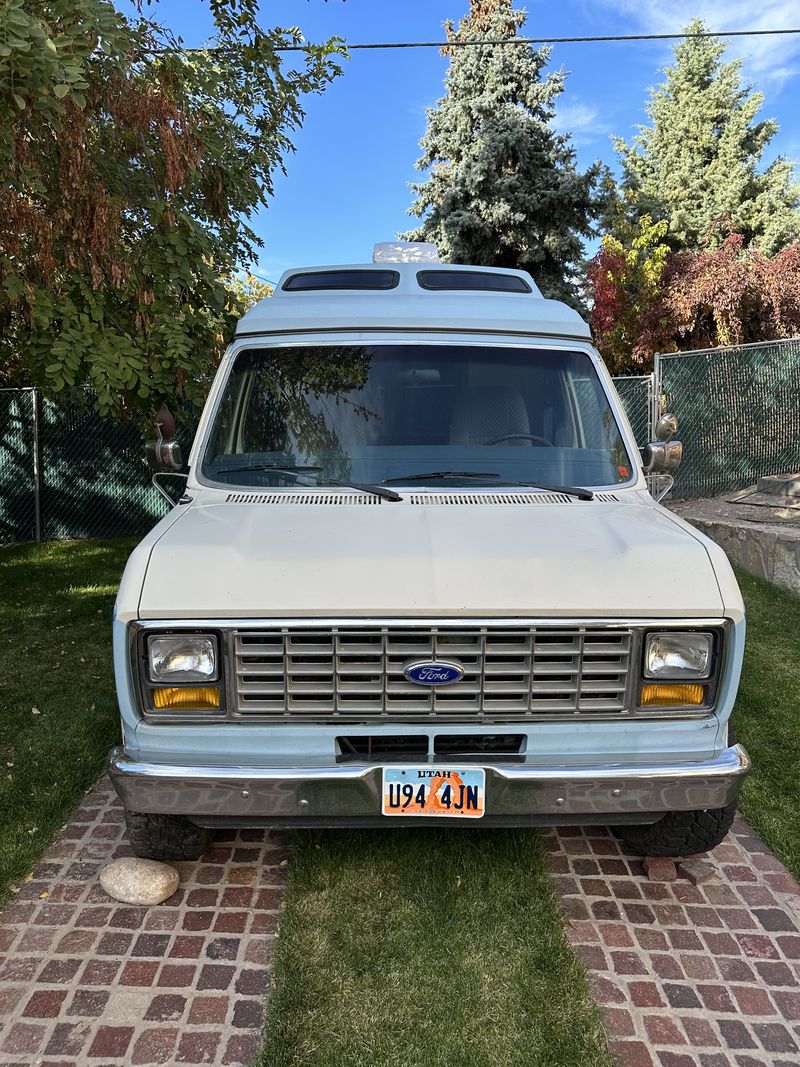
417	574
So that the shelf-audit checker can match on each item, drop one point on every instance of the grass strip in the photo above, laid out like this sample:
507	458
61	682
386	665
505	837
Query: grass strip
767	716
427	946
58	709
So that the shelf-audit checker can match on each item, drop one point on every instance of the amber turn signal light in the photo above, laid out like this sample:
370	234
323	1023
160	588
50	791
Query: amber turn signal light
180	698
666	694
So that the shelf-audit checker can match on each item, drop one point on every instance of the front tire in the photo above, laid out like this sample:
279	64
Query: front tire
679	833
682	833
165	837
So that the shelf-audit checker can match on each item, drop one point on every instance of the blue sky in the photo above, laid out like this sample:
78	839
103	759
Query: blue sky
346	185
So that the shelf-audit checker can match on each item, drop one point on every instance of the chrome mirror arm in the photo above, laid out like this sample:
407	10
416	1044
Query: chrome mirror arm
160	488
659	485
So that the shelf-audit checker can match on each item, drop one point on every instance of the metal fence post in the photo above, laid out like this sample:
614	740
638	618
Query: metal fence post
37	468
655	411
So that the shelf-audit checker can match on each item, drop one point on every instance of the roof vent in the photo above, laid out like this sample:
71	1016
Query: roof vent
483	280
314	280
405	252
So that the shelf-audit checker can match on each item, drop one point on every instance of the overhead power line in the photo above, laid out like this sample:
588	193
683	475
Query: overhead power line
483	41
548	40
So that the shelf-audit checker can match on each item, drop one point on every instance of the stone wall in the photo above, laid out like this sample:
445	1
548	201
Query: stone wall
769	550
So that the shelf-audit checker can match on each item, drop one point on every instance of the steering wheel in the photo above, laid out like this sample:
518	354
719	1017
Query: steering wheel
519	437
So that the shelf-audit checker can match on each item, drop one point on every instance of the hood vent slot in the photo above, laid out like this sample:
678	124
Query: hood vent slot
340	499
426	499
419	499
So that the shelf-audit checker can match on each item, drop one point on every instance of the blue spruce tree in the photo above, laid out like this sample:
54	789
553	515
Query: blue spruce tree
503	188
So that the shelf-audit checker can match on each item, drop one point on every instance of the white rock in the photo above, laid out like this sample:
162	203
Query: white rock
136	881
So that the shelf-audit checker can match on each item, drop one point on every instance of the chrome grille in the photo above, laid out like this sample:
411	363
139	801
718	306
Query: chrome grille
355	674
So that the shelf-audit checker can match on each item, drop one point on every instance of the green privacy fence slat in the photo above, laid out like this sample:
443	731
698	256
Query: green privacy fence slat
739	414
17	486
635	392
96	482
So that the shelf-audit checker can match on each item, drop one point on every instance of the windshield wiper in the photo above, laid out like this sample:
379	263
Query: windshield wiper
297	472
568	490
267	467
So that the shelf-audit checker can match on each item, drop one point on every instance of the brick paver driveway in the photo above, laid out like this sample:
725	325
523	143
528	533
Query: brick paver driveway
87	980
688	975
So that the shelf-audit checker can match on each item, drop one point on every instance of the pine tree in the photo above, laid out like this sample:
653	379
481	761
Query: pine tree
503	189
696	165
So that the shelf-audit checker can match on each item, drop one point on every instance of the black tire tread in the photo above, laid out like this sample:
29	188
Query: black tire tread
679	833
165	837
682	833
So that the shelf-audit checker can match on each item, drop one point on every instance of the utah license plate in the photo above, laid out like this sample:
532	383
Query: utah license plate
445	792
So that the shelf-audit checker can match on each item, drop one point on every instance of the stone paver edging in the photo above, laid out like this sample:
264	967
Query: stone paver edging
688	975
87	980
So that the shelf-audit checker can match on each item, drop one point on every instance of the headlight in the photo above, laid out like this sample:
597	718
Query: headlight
175	658
678	656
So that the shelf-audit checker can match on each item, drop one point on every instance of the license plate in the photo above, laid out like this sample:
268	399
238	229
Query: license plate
443	792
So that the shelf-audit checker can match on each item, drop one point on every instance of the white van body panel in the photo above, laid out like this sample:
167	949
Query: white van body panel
437	559
232	560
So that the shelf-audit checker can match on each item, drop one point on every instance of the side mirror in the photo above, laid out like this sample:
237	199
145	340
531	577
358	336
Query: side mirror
663	455
164	454
666	427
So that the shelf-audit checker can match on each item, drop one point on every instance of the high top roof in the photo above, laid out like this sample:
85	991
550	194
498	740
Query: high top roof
442	297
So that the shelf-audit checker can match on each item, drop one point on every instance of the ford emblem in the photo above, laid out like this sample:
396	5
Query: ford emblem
433	672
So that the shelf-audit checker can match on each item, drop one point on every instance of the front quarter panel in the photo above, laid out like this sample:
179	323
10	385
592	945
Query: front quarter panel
129	594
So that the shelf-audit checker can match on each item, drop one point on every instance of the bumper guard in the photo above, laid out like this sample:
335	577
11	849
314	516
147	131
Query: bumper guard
350	793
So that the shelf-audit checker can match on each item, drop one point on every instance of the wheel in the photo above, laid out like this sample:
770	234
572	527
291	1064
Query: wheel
681	833
165	837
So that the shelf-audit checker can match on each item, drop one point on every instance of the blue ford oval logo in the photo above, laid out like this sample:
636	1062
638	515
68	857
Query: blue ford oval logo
433	672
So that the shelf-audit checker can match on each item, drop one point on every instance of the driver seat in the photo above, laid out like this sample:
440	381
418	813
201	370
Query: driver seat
481	414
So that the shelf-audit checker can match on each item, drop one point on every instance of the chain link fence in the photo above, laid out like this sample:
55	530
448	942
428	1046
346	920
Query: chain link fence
739	414
636	393
65	472
19	496
95	481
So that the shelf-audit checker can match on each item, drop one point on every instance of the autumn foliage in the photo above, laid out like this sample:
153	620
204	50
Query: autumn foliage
649	299
130	170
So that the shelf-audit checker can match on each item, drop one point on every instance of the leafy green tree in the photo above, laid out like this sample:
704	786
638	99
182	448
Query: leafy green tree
245	292
503	188
626	287
129	170
696	165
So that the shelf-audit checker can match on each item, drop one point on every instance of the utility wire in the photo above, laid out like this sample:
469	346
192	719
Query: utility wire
556	40
515	41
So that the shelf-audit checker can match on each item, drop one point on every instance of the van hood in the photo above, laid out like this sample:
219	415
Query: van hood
581	559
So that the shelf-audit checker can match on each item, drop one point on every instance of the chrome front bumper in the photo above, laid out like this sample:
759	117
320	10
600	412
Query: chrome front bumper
350	793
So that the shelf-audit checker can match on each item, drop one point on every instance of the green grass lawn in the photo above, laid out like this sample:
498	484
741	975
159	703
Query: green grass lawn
767	716
436	947
58	712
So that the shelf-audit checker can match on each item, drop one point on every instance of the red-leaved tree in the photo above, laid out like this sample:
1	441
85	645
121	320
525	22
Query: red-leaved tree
648	299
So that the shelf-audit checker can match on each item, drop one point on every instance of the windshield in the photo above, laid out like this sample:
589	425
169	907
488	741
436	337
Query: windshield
314	415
